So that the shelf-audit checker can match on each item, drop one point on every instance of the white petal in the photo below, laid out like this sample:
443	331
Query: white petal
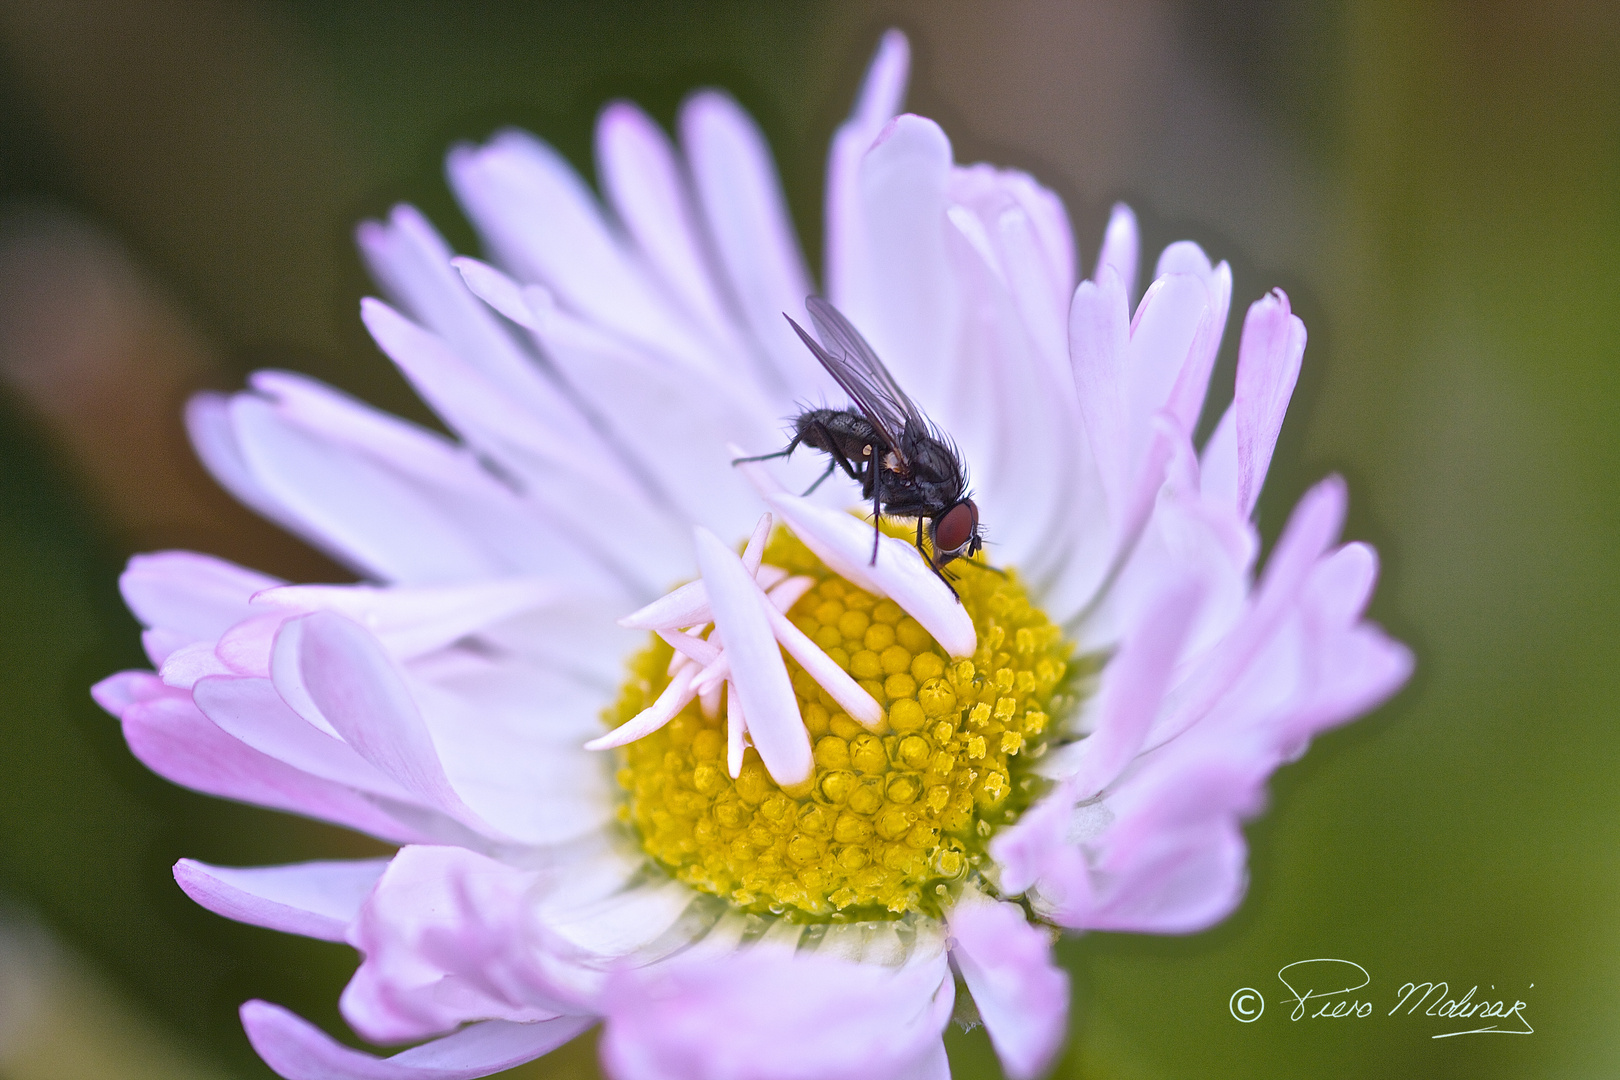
1268	367
413	619
736	185
847	261
643	180
1132	688
364	512
758	675
910	313
675	697
546	226
409	258
1099	344
844	543
849	694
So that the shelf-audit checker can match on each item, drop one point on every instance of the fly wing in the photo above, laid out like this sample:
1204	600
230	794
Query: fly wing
854	363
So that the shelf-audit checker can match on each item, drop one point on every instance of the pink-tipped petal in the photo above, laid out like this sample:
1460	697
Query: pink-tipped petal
175	740
1121	249
646	183
1099	343
1341	584
497	290
1165	340
569	246
1036	849
315	899
844	543
198	595
1022	996
367	512
117	693
1172	860
1218	474
251	710
910	310
1269	359
1132	689
758	675
183	667
298	1050
347	676
245	647
1311	529
1367	668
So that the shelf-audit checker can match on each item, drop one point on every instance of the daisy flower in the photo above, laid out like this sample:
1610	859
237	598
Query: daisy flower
663	746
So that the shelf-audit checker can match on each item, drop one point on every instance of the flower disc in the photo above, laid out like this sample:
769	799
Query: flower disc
891	818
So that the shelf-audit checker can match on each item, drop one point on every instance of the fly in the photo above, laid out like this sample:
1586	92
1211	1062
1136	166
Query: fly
903	463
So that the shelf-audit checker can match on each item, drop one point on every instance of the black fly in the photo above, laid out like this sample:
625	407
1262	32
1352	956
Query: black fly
902	462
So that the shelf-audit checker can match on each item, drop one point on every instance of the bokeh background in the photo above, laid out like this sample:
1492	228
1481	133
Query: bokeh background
1437	186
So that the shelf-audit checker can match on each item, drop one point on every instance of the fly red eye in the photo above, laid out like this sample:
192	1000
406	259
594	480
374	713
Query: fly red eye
954	530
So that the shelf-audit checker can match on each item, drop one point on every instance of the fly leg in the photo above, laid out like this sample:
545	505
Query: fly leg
929	559
877	533
831	465
784	452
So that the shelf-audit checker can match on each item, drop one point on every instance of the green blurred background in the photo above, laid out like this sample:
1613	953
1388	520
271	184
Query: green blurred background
1436	185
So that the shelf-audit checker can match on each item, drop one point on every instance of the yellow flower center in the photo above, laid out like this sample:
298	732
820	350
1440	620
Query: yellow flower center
889	821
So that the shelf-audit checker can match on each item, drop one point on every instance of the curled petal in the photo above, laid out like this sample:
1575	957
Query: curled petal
315	899
445	939
343	672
